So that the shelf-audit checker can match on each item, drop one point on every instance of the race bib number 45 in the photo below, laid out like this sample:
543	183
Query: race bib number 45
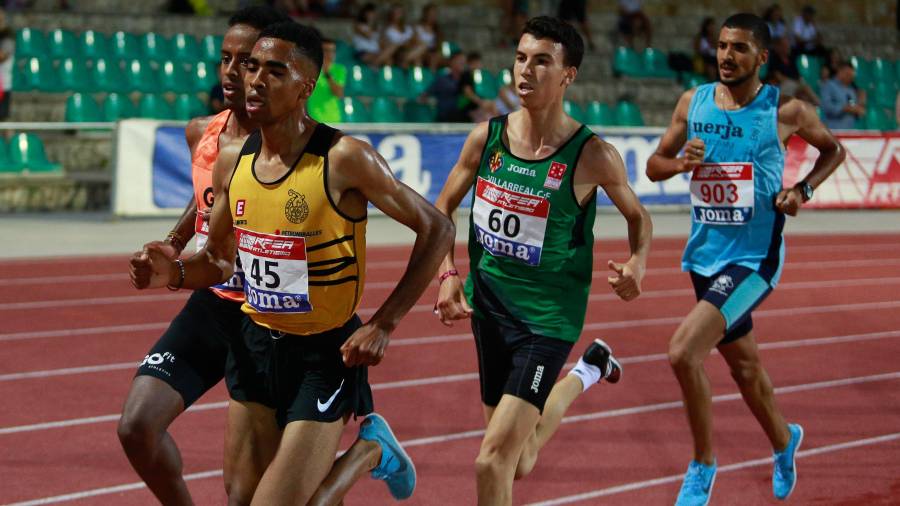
510	224
722	193
276	279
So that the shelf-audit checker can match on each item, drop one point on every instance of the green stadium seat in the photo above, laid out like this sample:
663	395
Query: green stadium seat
420	78
656	64
863	68
6	164
693	80
505	77
184	48
574	110
211	48
36	74
626	62
93	45
107	76
599	113
117	107
809	67
485	84
344	53
884	94
204	76
173	77
124	46
883	71
154	47
73	76
62	44
155	106
30	43
27	151
188	106
386	110
449	48
360	82
82	108
628	114
140	77
391	82
417	112
353	111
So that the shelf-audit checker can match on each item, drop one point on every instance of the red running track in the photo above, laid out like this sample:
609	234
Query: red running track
75	330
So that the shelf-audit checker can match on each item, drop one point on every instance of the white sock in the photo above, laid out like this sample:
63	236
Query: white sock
587	373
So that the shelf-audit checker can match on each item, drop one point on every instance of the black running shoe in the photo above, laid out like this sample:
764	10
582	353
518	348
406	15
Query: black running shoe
599	354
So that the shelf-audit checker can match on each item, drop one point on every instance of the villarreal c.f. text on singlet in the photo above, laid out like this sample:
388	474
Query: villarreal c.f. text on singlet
304	260
530	242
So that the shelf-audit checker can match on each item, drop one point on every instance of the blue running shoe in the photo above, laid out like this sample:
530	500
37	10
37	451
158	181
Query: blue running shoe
784	475
395	468
697	486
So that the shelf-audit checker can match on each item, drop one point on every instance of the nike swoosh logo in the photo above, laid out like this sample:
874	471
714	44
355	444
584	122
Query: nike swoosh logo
323	406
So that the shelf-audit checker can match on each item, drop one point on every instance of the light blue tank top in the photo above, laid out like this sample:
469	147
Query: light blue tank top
736	223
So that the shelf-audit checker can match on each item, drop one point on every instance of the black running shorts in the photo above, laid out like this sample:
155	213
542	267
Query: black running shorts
306	376
512	360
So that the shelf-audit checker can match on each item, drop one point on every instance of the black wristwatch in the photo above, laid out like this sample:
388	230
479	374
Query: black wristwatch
806	190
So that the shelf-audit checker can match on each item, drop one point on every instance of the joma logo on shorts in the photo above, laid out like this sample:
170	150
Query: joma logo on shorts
536	382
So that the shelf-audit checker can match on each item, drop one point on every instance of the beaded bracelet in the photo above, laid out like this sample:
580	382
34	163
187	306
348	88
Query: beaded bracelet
444	276
180	264
175	239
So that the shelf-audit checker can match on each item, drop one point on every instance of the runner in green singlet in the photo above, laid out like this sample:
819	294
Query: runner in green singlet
535	175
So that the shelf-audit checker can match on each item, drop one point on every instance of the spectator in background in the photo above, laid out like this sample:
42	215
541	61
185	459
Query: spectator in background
475	107
427	44
507	98
784	73
830	65
515	14
775	19
7	57
576	10
396	39
445	90
705	44
324	104
807	39
841	105
633	22
366	35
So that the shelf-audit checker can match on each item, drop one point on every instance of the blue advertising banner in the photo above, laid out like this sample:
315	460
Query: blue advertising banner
422	160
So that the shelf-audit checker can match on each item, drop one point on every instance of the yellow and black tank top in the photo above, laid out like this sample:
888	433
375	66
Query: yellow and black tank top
303	259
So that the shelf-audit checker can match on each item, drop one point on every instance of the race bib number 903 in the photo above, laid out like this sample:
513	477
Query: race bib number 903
722	193
276	279
510	224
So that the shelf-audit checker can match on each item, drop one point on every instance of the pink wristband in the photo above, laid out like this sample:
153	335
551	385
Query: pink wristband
451	272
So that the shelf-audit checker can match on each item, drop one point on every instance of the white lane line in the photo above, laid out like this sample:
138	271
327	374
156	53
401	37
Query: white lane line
453	378
676	478
109	490
815	341
602	414
650	294
132	299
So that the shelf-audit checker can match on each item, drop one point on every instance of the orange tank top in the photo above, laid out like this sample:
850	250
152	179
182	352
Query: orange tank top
202	163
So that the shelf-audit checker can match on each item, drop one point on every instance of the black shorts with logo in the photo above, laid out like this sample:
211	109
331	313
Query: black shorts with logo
191	354
306	376
512	360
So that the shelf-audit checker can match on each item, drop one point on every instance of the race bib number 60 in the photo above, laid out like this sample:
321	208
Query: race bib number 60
510	224
722	193
276	279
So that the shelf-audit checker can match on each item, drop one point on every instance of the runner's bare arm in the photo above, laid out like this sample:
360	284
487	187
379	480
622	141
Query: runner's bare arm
797	117
665	163
602	165
183	230
451	304
356	166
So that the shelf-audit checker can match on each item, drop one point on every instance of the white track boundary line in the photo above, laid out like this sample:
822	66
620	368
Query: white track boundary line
137	299
640	485
114	277
415	383
602	414
597	297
